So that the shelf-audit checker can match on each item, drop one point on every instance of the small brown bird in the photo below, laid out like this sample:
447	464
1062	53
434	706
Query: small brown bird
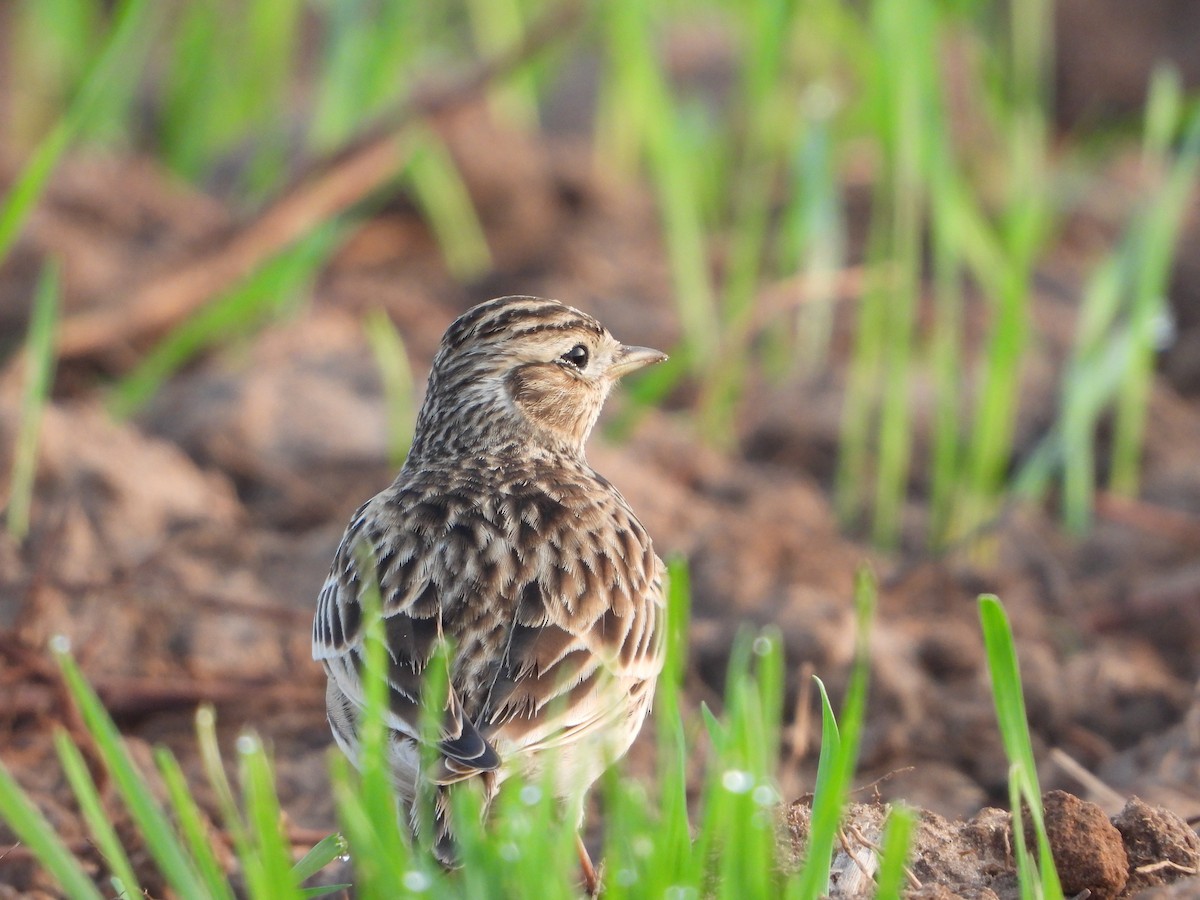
500	538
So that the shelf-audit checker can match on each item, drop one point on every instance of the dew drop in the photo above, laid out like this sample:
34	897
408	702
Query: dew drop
531	794
247	744
765	795
737	781
417	881
60	643
762	645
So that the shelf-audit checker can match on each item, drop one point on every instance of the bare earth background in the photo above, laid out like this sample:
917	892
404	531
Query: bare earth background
181	551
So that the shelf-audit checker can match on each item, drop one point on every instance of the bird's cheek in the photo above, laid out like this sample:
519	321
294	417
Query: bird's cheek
543	393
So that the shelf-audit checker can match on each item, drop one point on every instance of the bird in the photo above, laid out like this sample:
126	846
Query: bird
498	540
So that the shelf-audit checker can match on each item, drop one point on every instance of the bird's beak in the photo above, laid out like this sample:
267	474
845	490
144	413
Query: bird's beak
630	359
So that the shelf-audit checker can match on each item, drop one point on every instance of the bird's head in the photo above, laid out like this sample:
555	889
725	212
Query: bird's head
525	369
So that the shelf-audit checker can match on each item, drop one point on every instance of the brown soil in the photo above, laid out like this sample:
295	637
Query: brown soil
1140	849
181	551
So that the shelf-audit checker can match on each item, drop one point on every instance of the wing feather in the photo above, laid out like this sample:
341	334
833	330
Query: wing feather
572	626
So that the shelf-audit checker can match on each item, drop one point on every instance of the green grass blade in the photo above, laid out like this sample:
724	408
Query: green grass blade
161	840
1028	882
214	769
369	51
192	826
497	25
827	804
372	802
375	863
326	851
1152	256
897	837
270	873
835	770
1009	701
399	387
1006	685
39	374
444	199
98	820
32	829
128	29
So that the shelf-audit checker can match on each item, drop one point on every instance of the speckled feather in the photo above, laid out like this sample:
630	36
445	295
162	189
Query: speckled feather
499	536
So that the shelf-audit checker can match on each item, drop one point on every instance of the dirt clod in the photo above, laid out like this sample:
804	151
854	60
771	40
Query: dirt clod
1160	846
1087	848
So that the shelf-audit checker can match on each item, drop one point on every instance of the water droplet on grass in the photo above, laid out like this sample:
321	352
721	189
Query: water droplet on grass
766	795
737	781
417	881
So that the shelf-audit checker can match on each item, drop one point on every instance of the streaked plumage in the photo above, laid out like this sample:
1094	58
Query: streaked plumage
498	535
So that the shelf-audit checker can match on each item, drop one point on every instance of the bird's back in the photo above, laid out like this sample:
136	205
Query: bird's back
540	577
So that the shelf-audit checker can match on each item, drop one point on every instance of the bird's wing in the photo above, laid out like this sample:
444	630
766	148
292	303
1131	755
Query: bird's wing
586	633
403	565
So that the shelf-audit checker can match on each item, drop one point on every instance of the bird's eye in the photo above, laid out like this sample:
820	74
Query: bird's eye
576	356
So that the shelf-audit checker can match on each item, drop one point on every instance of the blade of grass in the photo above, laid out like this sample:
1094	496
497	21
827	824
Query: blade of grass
835	769
446	202
946	360
376	863
640	121
32	829
1159	235
399	388
269	870
127	33
498	24
192	826
39	374
1028	882
1009	701
98	819
376	796
910	88
214	769
161	840
322	854
897	837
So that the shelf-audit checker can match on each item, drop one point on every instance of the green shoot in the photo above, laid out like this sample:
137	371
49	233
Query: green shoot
104	76
897	835
399	388
839	753
39	374
1014	732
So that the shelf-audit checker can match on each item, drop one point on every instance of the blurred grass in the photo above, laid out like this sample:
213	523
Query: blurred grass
399	388
104	88
939	108
39	376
